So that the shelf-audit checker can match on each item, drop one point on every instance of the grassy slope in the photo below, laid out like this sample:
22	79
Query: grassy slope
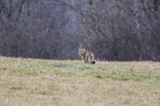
30	82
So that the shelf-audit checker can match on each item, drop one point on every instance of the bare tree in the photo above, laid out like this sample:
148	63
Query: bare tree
113	30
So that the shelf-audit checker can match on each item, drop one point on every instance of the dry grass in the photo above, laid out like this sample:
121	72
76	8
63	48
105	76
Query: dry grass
27	82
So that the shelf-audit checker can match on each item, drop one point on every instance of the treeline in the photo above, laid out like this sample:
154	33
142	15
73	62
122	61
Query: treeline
55	29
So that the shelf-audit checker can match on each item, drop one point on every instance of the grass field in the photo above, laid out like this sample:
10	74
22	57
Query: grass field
29	82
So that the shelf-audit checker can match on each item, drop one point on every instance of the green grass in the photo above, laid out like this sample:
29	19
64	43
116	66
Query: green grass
35	82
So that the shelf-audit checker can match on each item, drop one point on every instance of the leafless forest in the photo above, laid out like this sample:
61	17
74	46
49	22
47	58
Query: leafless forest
54	29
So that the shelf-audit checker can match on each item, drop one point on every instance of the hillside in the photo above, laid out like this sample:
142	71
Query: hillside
30	82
